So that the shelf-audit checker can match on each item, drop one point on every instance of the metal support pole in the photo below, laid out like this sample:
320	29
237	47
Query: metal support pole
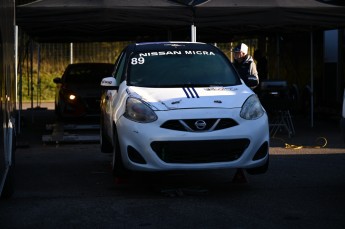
71	53
193	31
18	102
278	57
38	93
311	80
32	73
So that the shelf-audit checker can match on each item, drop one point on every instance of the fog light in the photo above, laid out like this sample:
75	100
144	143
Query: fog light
262	152
135	156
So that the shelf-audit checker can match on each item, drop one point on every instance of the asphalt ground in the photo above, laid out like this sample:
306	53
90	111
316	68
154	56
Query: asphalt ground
71	186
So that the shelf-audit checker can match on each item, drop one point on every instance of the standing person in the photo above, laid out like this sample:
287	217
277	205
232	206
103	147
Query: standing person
261	64
245	65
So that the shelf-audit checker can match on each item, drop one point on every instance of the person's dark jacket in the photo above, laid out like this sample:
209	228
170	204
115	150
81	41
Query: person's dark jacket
247	69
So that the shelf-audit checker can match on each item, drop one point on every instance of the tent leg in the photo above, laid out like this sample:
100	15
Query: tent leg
18	102
311	80
193	33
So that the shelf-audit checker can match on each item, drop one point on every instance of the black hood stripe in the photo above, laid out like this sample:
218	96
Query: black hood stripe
190	92
185	91
196	93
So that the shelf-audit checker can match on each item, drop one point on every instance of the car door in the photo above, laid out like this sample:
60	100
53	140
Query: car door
111	95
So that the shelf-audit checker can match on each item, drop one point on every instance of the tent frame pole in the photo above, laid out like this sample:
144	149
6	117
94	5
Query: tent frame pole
193	33
311	80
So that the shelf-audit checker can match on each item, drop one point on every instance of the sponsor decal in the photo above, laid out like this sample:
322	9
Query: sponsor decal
106	82
221	89
162	53
206	53
185	52
140	58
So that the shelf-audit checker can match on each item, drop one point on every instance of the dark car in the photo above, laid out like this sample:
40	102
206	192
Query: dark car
78	92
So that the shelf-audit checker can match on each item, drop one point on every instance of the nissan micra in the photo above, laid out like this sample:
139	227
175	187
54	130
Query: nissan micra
181	106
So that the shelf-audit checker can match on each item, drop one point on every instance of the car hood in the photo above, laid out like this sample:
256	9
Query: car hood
192	97
86	90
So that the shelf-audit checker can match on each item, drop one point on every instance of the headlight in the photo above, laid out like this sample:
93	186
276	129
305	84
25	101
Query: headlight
252	108
68	95
139	111
71	97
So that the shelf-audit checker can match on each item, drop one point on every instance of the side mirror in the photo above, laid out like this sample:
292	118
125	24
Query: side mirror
252	82
109	83
57	80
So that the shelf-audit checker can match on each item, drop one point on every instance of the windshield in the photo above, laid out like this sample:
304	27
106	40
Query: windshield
181	68
87	74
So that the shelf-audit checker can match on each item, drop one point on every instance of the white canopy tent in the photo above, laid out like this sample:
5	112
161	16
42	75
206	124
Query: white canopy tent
195	20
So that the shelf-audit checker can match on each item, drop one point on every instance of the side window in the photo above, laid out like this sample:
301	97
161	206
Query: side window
120	67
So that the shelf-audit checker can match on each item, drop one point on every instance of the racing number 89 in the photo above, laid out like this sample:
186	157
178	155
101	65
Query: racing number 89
139	60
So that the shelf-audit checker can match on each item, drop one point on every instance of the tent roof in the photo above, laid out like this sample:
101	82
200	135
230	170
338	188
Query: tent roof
106	20
215	20
243	16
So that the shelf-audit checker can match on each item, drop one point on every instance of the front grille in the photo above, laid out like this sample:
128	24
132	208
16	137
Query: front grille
190	124
93	105
200	151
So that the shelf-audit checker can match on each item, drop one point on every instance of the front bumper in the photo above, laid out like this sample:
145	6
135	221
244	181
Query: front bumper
81	107
148	147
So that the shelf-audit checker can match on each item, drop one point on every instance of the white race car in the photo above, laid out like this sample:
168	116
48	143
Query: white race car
181	106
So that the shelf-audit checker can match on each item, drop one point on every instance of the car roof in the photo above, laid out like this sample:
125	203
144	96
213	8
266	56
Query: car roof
90	64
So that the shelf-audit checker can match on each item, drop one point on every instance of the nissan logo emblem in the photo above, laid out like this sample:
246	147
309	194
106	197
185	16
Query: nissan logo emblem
200	124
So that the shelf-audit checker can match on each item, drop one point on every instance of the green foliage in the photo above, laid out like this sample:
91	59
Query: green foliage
42	89
38	85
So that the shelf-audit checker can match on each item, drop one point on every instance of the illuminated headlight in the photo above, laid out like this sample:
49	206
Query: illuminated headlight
252	108
71	97
139	111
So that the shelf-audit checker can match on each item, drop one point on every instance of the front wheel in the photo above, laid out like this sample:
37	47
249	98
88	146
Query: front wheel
106	146
118	169
8	188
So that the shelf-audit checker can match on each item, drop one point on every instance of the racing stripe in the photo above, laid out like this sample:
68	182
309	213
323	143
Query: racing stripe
191	93
185	91
196	93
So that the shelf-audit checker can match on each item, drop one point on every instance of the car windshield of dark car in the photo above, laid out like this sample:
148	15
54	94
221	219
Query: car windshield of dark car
87	74
181	68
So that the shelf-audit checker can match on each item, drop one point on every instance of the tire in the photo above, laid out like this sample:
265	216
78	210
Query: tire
56	107
58	113
8	188
106	146
342	128
118	169
258	170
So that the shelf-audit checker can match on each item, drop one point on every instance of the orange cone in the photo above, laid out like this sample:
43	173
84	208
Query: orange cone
239	177
120	180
